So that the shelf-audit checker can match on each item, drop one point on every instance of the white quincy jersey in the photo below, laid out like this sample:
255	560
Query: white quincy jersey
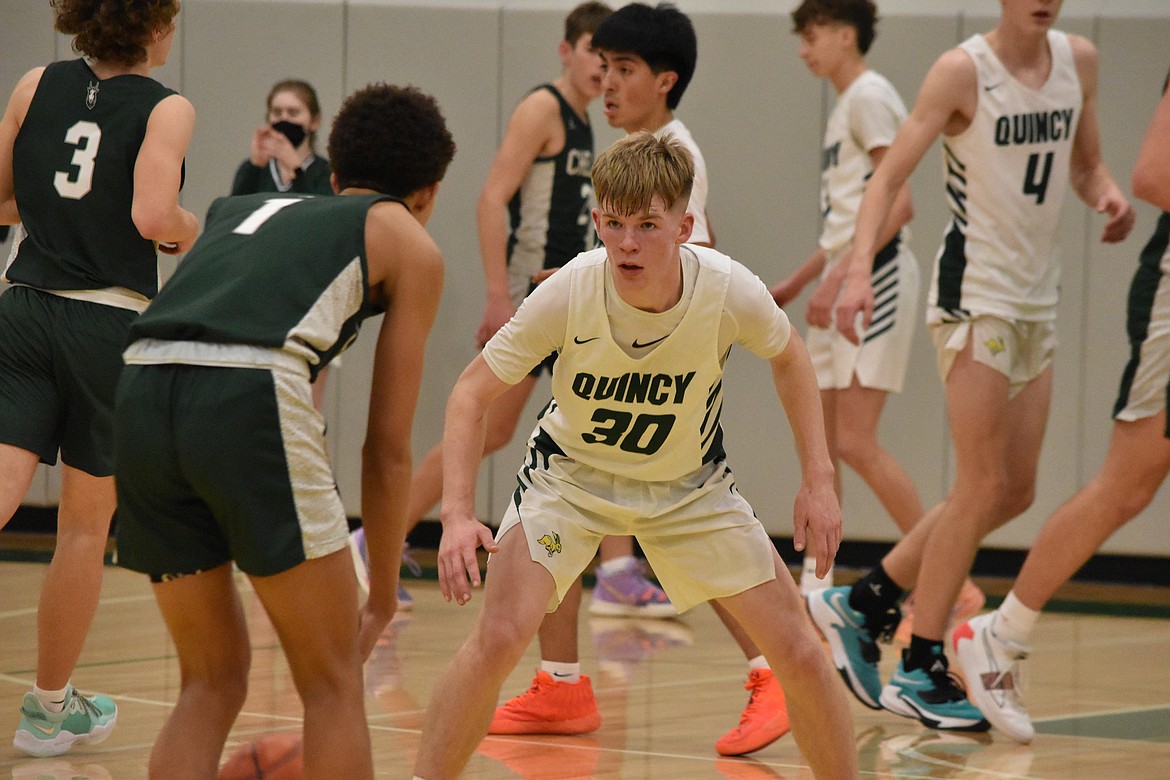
1006	177
867	116
637	393
701	233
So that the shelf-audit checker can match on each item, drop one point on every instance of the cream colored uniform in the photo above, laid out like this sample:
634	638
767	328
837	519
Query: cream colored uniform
697	206
631	443
866	117
1006	177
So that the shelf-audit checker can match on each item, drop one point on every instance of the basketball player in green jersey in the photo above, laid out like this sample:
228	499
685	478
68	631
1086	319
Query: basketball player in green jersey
221	454
91	162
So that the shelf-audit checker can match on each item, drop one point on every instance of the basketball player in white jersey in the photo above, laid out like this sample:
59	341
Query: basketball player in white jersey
991	646
631	444
1016	108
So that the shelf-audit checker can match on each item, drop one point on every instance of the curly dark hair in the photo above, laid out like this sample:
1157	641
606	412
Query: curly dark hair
661	35
114	31
862	15
390	139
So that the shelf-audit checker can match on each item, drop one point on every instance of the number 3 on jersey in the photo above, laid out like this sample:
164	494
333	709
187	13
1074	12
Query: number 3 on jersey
85	137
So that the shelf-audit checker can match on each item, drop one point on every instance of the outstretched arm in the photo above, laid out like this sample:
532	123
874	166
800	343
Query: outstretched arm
464	430
815	510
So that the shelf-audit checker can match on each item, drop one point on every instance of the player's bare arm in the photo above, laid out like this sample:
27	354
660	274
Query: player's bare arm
464	429
534	130
10	124
1089	176
158	173
791	286
815	511
946	102
407	268
1149	181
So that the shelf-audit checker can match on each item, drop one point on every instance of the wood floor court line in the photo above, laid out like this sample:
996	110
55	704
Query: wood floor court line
666	693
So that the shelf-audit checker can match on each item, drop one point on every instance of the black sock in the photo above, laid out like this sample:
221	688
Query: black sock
875	594
922	653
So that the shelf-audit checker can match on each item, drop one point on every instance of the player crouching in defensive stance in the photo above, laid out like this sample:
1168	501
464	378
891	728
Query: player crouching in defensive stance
220	454
631	445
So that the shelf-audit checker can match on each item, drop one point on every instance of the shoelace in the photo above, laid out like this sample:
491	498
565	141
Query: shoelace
84	706
947	685
756	686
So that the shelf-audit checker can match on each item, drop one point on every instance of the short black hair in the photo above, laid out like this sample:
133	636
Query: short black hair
662	35
390	139
861	15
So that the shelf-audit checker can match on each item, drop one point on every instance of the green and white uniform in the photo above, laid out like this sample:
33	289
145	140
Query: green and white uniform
220	454
79	267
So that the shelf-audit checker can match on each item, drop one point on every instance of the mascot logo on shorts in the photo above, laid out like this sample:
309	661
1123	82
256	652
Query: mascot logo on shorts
995	345
550	542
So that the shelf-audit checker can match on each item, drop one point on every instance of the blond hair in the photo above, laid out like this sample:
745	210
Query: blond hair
628	175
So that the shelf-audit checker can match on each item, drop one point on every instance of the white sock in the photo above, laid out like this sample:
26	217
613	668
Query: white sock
809	581
562	672
616	564
53	701
1013	620
759	662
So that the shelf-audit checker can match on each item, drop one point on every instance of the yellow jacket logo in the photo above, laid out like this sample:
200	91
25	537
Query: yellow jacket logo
995	345
550	542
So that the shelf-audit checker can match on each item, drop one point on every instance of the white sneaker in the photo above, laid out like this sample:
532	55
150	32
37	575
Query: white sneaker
992	668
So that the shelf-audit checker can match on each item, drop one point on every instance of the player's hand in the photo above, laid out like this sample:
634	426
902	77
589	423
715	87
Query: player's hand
540	276
817	514
495	316
373	619
1121	217
458	564
819	312
855	307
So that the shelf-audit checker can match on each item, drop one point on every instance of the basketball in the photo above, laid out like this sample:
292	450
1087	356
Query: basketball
271	757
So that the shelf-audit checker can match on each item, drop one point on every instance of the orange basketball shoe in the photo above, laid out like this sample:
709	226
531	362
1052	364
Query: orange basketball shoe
764	720
971	599
549	707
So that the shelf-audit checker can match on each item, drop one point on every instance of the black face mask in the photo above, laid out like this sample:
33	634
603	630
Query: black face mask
290	130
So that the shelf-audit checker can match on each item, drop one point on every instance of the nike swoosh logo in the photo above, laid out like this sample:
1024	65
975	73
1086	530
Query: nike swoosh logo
991	87
648	343
47	731
579	340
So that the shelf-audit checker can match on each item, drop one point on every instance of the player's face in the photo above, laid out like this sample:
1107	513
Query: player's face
583	64
824	46
1030	15
287	106
643	251
633	93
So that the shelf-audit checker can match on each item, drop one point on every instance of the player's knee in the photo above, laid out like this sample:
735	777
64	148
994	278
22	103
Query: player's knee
1016	498
854	449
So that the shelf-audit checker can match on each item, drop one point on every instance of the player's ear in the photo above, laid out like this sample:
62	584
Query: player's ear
596	220
685	227
564	49
666	81
334	184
